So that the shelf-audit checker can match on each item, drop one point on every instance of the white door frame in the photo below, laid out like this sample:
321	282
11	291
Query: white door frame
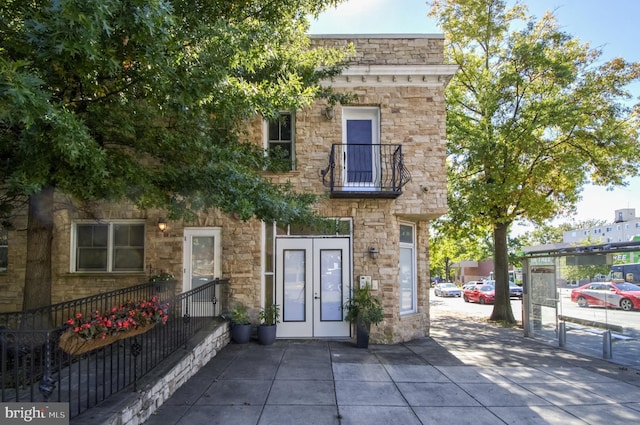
302	315
210	271
362	113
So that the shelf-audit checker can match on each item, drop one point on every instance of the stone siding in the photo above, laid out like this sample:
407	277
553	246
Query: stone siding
411	115
388	50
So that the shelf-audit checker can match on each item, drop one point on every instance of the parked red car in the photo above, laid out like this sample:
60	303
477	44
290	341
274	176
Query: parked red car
483	294
614	294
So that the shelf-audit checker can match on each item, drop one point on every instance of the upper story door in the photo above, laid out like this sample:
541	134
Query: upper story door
361	141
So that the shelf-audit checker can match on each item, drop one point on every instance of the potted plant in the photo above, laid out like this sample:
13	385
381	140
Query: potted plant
269	318
240	324
363	309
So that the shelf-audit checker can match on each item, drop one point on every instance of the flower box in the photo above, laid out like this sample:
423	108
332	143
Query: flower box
100	329
75	345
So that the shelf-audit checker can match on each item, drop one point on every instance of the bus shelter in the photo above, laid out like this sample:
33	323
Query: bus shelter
585	299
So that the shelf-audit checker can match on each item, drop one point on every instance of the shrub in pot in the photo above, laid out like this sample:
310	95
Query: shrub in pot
363	309
240	324
269	318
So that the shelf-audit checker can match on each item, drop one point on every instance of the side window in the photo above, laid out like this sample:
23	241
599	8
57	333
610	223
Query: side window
407	269
108	247
280	135
4	249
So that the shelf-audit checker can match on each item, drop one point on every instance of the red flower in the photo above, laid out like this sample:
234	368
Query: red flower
130	315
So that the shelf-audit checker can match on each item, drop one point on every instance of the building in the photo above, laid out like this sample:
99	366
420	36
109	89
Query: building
467	271
623	228
381	164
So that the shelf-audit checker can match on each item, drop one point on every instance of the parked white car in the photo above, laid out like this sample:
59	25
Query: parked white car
447	289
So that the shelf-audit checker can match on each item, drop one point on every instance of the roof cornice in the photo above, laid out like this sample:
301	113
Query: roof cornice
394	75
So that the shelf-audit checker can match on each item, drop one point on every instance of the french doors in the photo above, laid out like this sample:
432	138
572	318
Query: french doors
312	285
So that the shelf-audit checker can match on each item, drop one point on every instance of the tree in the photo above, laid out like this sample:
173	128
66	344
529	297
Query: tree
450	244
145	101
532	116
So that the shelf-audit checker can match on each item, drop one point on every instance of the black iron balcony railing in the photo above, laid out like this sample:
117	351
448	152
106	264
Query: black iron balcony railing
365	171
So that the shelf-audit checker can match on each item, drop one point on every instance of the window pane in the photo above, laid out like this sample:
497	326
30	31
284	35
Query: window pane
128	235
128	259
274	130
285	127
406	279
406	234
128	247
91	247
280	150
294	286
136	232
4	249
92	235
331	285
91	259
4	258
268	248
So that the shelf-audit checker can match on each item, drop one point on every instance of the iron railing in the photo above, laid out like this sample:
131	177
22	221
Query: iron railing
365	170
55	315
35	369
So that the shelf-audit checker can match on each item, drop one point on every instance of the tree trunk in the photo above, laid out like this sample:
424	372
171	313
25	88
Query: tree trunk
502	306
37	281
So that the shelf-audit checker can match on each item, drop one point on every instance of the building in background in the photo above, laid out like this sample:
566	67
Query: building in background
623	229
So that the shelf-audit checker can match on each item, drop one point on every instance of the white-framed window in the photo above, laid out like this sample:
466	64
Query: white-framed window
280	134
4	249
408	280
116	246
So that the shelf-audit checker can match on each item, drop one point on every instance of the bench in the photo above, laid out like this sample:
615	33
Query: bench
608	337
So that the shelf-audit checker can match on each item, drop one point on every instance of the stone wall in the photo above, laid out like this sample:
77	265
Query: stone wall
384	49
412	115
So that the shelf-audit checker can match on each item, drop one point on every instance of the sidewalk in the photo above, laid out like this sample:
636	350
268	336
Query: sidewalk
465	373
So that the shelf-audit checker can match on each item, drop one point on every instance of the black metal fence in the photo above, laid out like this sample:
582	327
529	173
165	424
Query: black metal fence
35	368
53	316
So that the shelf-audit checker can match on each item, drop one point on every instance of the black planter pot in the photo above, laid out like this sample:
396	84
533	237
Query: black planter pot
267	334
362	336
241	333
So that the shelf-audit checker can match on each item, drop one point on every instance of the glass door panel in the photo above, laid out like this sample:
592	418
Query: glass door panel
294	286
331	285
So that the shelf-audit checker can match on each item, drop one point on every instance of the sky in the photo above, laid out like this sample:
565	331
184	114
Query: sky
610	25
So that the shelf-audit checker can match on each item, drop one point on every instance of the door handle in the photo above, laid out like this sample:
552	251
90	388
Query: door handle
315	296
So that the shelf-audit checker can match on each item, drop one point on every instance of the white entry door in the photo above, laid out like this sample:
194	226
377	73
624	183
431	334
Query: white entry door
312	285
201	259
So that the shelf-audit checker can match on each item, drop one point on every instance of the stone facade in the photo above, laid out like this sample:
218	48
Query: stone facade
402	76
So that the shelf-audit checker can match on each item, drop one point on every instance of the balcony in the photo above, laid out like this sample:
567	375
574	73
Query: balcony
365	171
